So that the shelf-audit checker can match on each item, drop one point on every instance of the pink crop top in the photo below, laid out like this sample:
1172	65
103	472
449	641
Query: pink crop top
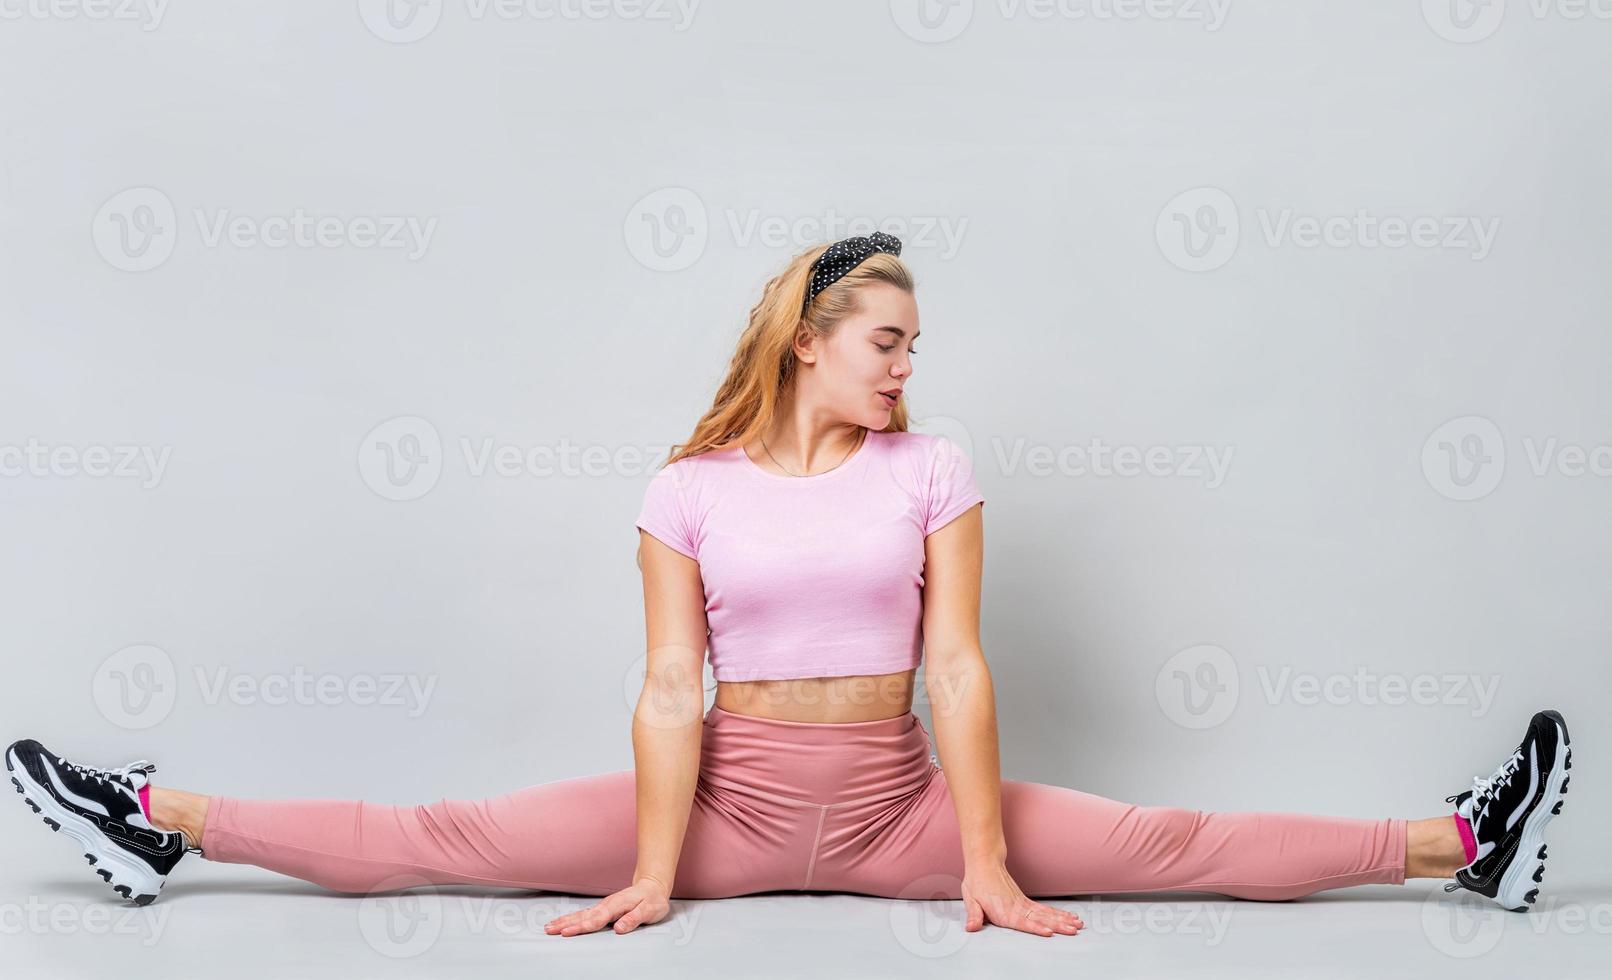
812	576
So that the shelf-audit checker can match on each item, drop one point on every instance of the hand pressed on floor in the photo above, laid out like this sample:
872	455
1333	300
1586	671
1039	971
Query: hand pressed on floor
990	894
641	903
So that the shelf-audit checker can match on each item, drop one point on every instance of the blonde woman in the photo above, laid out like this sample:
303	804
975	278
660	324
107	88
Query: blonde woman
821	552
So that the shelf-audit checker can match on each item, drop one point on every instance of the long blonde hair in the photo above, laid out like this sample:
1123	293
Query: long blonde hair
763	365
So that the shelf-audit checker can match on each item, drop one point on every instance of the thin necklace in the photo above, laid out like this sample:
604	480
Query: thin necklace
830	469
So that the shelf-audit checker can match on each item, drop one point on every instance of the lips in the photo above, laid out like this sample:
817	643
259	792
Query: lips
891	396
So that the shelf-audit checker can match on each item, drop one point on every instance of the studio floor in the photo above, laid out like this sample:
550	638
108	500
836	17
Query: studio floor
57	920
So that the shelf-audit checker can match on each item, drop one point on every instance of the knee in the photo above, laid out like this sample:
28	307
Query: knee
1169	830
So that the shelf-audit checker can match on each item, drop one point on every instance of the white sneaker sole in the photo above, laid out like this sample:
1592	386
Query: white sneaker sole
128	877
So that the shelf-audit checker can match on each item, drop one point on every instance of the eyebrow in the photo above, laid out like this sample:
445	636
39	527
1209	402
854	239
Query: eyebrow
898	331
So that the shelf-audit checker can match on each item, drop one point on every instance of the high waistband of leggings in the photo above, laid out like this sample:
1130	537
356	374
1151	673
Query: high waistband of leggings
812	732
816	763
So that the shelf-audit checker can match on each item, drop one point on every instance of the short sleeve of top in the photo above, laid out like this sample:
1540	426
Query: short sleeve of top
666	514
952	489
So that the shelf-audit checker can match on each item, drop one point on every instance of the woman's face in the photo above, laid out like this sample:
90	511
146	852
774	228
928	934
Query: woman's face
868	353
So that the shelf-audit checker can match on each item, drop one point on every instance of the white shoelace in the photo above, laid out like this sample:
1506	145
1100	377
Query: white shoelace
119	774
1484	788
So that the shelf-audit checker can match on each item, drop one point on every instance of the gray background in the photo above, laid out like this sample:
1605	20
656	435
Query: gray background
606	197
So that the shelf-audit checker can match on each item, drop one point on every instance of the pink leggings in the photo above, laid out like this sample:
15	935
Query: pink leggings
779	805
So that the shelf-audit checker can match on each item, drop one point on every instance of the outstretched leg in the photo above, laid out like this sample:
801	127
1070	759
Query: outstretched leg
571	835
1062	841
576	836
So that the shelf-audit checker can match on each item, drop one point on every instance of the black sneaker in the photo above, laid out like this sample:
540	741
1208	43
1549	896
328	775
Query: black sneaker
1508	812
100	808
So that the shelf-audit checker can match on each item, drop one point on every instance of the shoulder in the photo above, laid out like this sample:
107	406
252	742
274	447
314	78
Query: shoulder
688	474
920	455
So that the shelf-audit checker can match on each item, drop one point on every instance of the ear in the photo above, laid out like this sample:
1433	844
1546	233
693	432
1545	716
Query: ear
805	344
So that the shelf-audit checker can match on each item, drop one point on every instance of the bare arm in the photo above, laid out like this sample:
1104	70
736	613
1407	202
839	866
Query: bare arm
962	704
667	721
962	700
666	727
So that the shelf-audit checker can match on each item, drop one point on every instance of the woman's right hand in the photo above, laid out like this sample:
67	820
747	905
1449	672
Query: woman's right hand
644	901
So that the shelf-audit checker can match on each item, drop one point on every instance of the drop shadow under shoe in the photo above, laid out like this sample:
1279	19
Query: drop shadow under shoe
100	809
1508	812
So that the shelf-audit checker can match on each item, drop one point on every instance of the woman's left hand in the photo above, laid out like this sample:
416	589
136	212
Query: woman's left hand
991	895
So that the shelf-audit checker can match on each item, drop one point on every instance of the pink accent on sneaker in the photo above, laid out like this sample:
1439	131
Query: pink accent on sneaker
145	800
1468	843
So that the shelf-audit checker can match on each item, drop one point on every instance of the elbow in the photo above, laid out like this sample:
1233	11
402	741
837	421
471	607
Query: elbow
955	679
669	701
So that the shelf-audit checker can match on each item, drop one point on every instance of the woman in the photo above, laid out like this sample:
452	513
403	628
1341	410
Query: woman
819	550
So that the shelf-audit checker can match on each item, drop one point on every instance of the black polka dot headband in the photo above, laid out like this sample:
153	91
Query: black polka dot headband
845	255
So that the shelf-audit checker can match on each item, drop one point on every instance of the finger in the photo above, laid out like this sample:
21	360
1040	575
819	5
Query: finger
635	917
1030	922
1065	922
593	918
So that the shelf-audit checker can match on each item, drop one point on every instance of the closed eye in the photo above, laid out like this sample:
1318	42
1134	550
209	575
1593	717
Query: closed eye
887	348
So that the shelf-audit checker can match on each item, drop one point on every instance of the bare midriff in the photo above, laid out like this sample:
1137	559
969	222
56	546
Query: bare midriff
862	697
